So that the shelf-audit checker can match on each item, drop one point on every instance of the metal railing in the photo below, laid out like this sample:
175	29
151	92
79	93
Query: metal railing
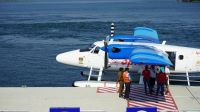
187	76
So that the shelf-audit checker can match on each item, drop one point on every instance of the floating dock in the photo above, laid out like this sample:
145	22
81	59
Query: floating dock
95	99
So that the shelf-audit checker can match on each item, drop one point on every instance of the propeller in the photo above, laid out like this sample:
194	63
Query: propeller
106	52
112	30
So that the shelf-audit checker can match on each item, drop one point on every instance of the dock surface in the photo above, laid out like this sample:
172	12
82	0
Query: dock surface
41	99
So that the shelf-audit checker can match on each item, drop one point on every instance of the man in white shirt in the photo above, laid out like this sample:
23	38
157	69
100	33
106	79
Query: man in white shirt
152	78
167	71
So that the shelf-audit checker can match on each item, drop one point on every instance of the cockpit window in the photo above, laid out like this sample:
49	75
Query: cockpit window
84	49
96	50
92	46
87	48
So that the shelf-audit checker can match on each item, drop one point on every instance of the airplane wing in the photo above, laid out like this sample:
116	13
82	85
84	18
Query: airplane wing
138	54
150	56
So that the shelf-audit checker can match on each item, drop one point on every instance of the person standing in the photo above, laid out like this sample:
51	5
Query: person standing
152	78
127	81
146	79
167	72
161	80
120	80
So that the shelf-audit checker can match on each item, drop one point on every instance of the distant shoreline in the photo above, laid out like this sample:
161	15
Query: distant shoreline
188	0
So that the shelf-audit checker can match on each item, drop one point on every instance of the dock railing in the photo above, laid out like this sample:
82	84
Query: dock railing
187	76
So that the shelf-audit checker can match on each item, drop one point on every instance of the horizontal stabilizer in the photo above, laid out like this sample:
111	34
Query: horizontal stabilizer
148	33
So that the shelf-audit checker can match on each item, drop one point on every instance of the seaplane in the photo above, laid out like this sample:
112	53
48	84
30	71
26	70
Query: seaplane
132	51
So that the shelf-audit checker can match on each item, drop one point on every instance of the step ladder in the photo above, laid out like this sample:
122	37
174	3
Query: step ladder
99	75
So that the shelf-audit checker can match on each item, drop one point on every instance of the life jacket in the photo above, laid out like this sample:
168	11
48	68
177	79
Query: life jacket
126	77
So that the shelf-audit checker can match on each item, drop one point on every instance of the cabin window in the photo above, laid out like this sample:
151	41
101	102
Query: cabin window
115	50
120	40
181	57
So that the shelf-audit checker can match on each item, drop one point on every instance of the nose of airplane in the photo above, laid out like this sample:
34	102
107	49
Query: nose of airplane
68	57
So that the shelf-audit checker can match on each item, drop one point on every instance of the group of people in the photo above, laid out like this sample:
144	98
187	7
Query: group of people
124	78
152	75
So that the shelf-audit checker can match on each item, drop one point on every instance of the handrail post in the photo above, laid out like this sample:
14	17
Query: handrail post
168	80
188	79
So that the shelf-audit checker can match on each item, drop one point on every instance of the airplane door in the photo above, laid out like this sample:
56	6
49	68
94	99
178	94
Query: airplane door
172	58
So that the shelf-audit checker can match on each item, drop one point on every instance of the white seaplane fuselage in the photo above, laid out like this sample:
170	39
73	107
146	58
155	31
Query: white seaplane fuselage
183	58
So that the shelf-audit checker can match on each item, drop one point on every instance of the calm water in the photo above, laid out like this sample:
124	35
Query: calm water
32	33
